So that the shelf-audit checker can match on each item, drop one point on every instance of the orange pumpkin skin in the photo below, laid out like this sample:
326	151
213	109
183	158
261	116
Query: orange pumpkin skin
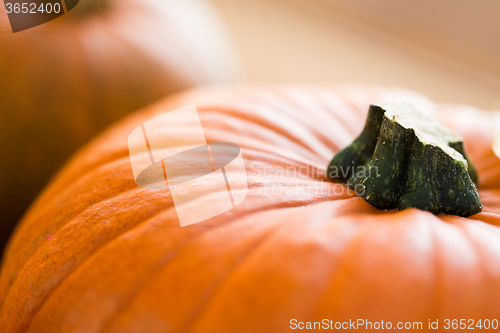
96	253
65	80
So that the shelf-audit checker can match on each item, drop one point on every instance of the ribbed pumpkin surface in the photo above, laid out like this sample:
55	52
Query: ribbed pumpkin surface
96	253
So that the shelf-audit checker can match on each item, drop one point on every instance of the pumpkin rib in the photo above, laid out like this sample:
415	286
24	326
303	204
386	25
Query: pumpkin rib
276	107
107	159
467	233
232	225
437	301
189	242
263	156
489	175
490	202
271	157
113	163
348	260
193	320
492	230
354	258
264	132
473	232
267	124
199	309
438	304
22	228
167	100
234	220
324	137
434	229
82	265
33	257
82	179
353	125
57	186
488	218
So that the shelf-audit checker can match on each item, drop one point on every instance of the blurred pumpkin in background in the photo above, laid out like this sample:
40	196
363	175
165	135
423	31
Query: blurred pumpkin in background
65	80
97	253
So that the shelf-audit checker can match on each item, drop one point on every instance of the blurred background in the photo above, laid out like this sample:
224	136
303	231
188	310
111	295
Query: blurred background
66	80
448	50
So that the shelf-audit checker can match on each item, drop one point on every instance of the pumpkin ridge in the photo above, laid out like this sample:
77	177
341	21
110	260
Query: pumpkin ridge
76	269
152	276
261	127
345	265
275	129
20	231
323	138
235	219
490	203
50	192
193	320
39	250
262	155
315	218
353	129
438	290
490	218
199	310
122	154
114	197
465	228
248	113
91	166
277	205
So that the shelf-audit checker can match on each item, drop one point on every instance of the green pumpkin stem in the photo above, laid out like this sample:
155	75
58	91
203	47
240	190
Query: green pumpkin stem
403	159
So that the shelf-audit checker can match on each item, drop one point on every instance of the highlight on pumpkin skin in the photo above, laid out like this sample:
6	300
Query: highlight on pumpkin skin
216	167
409	160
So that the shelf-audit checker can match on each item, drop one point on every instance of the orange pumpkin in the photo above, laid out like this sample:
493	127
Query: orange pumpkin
96	253
65	80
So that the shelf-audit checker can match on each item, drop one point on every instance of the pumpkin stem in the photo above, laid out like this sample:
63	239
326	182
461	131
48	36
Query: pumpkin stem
404	159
